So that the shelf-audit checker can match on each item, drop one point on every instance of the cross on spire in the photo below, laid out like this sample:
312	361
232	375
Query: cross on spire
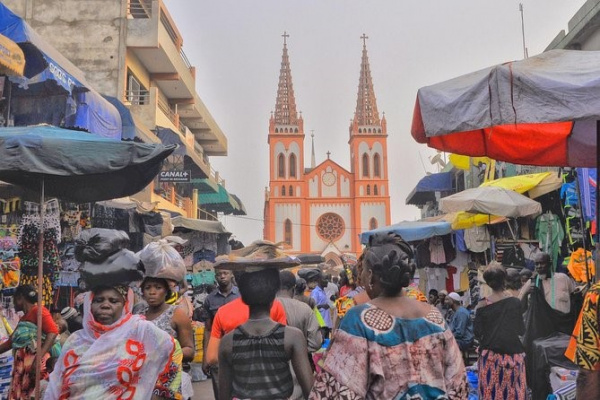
285	36
364	39
328	154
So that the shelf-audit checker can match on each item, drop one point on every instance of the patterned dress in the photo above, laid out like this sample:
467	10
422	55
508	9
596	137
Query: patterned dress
375	355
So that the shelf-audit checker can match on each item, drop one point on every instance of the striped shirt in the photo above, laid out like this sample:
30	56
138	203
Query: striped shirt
261	365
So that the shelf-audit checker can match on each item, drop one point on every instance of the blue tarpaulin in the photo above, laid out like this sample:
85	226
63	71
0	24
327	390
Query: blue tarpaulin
411	230
428	185
44	63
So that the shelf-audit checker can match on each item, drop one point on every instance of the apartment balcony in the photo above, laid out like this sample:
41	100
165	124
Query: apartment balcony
154	39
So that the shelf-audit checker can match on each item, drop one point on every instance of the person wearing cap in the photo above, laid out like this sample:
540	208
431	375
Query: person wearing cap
116	354
460	322
254	358
441	305
73	319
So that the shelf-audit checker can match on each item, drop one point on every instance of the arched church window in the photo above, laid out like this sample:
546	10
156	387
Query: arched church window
287	232
291	192
276	130
372	224
365	165
281	166
375	190
292	165
359	130
283	190
295	130
286	130
377	165
368	190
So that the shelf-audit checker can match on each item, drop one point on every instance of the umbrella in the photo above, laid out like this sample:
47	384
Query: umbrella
465	220
540	111
491	200
411	230
75	166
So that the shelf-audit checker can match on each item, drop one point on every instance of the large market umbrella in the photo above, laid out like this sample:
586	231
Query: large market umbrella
543	110
75	166
411	230
491	200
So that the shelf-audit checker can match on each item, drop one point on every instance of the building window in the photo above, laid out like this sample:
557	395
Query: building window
291	192
365	165
375	190
292	165
136	93
330	227
368	190
281	166
283	190
372	224
376	166
287	232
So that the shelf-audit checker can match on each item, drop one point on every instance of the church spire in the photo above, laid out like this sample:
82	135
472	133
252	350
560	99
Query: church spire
313	161
285	106
366	113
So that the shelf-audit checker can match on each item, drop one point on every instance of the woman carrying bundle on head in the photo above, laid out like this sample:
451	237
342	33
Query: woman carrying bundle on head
23	343
117	355
392	347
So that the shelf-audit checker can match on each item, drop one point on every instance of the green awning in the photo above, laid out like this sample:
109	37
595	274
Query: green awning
205	185
221	201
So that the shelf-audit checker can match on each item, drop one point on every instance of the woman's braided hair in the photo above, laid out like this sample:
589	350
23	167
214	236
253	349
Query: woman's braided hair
389	257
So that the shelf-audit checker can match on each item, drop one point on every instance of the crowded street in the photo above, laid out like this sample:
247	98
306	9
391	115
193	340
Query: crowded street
269	200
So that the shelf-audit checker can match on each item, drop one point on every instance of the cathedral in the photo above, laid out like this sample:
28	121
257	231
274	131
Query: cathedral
323	208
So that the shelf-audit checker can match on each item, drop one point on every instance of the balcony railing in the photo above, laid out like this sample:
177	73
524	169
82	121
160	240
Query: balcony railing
166	108
170	30
139	8
185	59
137	97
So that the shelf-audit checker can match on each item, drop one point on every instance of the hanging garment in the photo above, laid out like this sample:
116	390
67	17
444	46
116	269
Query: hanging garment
477	239
577	265
422	254
550	233
459	240
451	270
436	247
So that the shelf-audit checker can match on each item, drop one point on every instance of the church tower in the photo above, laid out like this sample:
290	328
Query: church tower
283	204
368	155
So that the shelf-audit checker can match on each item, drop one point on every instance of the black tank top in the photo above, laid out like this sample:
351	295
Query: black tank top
260	365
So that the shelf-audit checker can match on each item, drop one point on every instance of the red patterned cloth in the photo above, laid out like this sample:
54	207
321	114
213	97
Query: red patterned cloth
501	376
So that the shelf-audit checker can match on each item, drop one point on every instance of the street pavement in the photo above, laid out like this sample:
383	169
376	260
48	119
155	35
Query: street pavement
203	390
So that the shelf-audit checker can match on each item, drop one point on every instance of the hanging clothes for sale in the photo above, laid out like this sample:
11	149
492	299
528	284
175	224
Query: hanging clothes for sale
28	243
422	254
477	239
550	233
436	248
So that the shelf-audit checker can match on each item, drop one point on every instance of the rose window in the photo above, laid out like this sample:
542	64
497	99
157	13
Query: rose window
330	227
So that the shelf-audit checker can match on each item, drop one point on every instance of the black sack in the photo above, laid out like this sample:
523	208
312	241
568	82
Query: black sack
97	244
119	269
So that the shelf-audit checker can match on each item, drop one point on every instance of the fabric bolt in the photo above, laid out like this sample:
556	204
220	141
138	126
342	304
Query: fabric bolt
436	247
236	313
375	355
131	359
260	365
584	346
477	239
501	376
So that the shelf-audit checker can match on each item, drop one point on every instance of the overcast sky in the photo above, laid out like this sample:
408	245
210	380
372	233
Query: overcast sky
236	47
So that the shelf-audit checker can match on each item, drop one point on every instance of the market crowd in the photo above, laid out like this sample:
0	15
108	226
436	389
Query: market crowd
270	333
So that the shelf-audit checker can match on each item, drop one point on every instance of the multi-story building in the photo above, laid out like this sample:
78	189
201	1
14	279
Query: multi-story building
132	50
323	209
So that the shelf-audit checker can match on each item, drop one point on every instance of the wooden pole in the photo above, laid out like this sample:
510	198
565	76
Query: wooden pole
40	302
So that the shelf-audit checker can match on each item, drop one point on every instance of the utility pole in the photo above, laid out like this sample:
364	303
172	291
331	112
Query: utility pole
525	55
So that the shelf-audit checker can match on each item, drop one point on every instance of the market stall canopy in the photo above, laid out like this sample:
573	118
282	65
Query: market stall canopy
410	230
535	185
12	59
466	220
491	200
543	110
77	166
221	201
44	64
428	185
199	225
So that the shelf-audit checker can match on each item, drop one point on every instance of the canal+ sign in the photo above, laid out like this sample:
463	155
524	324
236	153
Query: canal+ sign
179	176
